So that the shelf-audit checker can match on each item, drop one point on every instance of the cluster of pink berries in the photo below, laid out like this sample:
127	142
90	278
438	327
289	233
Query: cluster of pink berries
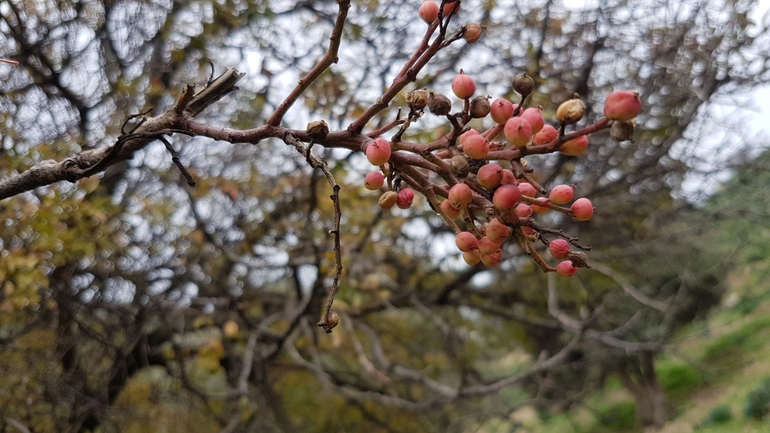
474	182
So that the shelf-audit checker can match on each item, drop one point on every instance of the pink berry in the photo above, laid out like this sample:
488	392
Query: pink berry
472	257
559	248
378	151
566	269
501	110
466	241
527	189
539	209
506	197
490	176
405	198
575	147
534	115
518	131
496	231
508	178
546	135
523	210
449	210
582	209
465	135
486	246
476	146
460	196
429	11
449	7
492	260
374	180
622	105
463	86
561	194
528	230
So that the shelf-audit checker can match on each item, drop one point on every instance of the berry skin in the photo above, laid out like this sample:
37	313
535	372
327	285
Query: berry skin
546	135
518	131
487	247
460	196
534	115
622	105
374	180
472	257
476	146
506	197
527	189
492	260
566	269
449	210
378	151
405	198
490	176
466	241
508	178
428	11
448	7
438	104
523	210
529	231
501	110
479	107
575	147
388	200
463	86
561	194
559	248
472	33
571	111
582	209
496	231
523	84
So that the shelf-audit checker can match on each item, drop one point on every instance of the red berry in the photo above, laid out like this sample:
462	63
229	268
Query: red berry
622	105
374	180
466	241
528	230
582	209
575	147
405	198
449	210
508	178
506	197
501	110
429	11
449	6
476	146
492	260
523	210
527	189
539	209
566	269
546	135
490	176
460	196
496	231
486	246
518	131
472	257
378	151
466	134
561	194
534	115
559	248
463	86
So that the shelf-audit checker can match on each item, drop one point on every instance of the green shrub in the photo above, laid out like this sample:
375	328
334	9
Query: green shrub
618	416
678	377
758	401
718	415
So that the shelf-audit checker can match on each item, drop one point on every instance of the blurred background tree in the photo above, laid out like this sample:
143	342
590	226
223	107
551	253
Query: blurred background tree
132	302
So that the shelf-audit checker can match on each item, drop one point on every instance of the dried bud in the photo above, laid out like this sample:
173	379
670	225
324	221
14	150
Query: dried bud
332	320
439	104
579	259
621	131
317	130
417	100
479	107
476	164
523	84
472	32
571	111
388	199
460	166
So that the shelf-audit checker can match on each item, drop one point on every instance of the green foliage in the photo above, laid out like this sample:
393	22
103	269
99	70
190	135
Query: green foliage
747	337
719	415
618	416
758	401
678	378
